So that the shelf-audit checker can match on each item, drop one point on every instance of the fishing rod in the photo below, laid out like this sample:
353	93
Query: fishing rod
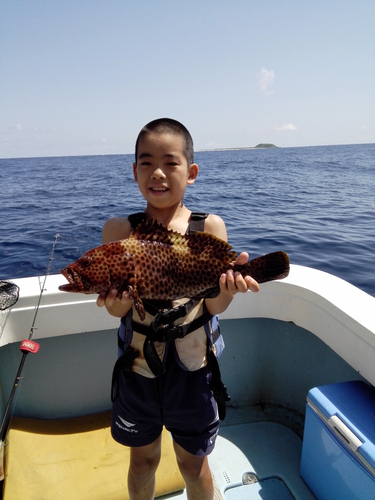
26	347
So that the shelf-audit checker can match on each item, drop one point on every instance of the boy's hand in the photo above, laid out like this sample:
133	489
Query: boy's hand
232	283
115	306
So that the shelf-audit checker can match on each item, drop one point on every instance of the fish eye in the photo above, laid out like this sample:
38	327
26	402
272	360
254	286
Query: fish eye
85	263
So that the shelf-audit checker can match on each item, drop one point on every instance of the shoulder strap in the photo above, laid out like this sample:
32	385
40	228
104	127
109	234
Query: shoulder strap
196	223
136	219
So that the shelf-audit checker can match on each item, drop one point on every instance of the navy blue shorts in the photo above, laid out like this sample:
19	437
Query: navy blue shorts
180	400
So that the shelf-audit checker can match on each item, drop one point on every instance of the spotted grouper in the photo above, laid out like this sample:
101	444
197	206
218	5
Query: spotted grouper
160	264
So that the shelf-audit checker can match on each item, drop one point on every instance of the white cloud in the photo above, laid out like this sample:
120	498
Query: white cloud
286	126
19	127
265	80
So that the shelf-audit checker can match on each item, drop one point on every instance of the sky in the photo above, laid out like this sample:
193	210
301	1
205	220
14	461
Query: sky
82	77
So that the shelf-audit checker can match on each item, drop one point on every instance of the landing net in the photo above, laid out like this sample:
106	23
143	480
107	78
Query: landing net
8	294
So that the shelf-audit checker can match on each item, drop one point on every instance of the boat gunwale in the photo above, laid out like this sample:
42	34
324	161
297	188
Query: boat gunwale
332	309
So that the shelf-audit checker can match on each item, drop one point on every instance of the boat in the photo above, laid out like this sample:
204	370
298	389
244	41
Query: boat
309	330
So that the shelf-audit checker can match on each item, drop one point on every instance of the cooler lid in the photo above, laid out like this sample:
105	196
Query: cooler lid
349	405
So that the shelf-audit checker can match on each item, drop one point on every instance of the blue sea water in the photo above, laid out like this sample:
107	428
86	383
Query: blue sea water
316	203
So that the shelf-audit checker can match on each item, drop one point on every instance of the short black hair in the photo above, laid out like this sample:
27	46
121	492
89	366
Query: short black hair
168	126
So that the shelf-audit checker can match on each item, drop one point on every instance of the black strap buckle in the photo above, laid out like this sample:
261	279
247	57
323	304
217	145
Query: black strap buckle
161	318
166	317
167	333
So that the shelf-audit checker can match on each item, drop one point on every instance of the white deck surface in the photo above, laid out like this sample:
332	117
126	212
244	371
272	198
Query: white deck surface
266	449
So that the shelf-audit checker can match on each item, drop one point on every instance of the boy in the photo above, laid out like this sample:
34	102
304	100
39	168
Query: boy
179	396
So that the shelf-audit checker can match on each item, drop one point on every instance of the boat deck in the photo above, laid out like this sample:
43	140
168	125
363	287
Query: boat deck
308	330
266	455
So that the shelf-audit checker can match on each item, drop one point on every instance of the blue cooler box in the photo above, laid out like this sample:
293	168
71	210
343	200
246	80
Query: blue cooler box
338	453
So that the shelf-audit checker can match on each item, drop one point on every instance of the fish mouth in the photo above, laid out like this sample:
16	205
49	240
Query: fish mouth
75	283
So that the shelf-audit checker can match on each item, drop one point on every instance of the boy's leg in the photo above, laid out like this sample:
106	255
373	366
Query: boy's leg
136	422
144	461
196	473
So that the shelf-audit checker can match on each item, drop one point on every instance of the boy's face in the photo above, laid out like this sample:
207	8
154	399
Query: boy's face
162	171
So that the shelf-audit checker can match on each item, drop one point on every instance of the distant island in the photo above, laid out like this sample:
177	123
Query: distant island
264	145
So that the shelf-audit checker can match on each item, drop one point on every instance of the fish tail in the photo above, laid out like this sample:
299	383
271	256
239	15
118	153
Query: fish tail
273	266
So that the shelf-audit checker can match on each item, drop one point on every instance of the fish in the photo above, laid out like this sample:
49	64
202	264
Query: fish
161	264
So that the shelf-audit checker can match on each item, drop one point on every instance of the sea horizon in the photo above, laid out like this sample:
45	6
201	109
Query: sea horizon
239	148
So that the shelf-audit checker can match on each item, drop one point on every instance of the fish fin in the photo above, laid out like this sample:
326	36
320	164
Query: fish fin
199	242
137	301
154	231
273	266
211	247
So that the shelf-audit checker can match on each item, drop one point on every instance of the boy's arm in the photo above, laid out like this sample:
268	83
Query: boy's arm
230	283
115	229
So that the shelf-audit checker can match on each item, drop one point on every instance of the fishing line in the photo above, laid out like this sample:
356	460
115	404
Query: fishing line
26	347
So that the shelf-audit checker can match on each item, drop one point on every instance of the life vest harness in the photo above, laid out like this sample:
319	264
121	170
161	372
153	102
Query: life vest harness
162	329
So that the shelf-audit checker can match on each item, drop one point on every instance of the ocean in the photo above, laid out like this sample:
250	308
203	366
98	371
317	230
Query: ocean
316	203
